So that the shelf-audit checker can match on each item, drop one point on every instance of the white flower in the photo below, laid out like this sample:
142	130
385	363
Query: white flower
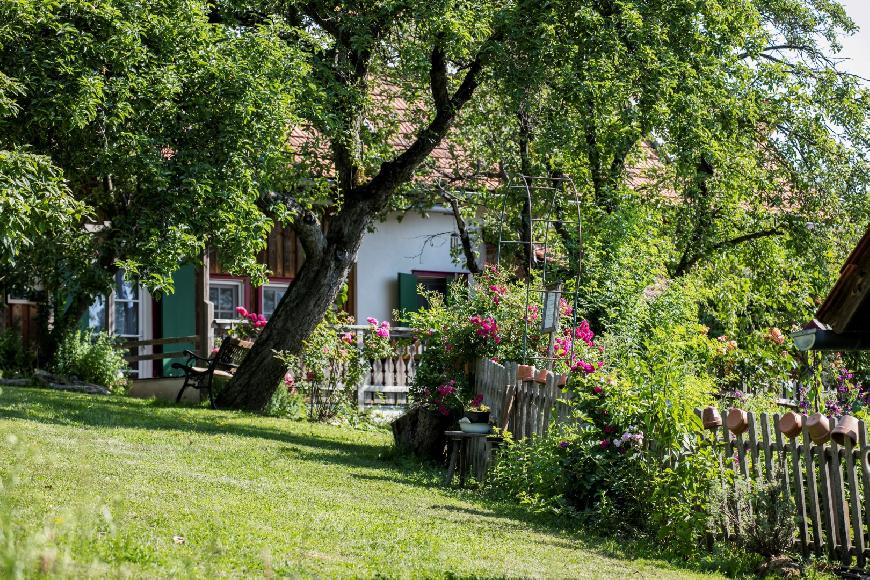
617	442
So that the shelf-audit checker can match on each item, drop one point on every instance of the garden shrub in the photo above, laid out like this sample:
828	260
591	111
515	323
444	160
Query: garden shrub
532	472
91	358
286	402
759	512
331	366
15	357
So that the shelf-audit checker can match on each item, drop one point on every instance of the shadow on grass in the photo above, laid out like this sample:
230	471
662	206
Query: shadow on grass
63	408
60	408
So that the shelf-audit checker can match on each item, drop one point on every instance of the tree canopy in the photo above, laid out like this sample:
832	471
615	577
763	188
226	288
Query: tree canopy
165	128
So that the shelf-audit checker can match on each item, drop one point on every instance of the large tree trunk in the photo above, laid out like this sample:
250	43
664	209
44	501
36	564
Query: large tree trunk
300	310
328	257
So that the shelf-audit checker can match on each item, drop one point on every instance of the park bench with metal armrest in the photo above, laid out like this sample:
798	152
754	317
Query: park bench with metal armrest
199	372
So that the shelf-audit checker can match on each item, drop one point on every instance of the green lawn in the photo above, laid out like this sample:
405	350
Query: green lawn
115	486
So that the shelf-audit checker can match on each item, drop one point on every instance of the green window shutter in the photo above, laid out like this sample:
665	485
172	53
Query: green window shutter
408	300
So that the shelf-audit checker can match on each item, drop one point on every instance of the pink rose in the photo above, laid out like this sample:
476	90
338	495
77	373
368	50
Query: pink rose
372	320
242	311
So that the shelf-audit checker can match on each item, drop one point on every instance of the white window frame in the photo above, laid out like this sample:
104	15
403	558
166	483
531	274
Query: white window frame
263	289
144	368
240	289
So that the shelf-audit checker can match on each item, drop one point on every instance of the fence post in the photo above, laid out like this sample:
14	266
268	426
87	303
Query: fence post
812	492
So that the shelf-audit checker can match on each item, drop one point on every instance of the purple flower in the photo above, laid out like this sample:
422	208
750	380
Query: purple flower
563	444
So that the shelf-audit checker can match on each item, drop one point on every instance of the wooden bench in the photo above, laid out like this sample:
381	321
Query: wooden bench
199	372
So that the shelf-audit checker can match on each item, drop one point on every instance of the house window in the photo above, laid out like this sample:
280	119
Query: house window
97	316
127	298
125	313
226	297
272	295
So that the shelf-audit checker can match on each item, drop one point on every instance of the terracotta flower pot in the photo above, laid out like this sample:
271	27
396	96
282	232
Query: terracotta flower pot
541	376
791	424
819	428
847	428
737	421
525	372
711	418
563	380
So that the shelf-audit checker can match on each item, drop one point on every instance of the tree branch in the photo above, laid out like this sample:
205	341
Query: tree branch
464	236
306	225
801	47
687	264
399	170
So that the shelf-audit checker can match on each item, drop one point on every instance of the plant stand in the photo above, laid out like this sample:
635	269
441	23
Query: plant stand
461	455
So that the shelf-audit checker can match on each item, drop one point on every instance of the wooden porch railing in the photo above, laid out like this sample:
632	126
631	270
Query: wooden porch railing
138	344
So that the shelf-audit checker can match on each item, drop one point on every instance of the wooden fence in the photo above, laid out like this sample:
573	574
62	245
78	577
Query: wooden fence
522	407
526	408
829	483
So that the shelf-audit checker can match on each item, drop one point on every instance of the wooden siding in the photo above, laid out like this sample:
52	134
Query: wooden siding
281	256
22	319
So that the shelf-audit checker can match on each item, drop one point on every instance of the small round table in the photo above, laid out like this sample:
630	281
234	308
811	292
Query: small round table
460	443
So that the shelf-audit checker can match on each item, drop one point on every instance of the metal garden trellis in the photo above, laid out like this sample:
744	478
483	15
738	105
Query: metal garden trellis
557	192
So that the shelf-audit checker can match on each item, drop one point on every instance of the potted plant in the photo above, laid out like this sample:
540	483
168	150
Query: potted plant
476	411
541	376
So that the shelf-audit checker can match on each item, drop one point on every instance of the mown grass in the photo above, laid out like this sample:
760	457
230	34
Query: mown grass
113	486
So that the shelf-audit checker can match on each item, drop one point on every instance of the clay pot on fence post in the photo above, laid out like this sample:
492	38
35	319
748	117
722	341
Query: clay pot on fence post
711	418
819	428
563	380
737	421
525	372
541	376
791	424
847	428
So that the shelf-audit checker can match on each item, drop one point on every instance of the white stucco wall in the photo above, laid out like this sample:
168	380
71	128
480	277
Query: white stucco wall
400	247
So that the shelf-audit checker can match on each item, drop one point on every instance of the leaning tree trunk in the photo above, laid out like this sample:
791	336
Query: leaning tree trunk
328	257
298	313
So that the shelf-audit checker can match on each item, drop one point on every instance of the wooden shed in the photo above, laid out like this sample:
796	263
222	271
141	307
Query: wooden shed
842	322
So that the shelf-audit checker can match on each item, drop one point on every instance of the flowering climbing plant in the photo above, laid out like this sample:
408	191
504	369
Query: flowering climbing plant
495	317
443	398
250	324
376	342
